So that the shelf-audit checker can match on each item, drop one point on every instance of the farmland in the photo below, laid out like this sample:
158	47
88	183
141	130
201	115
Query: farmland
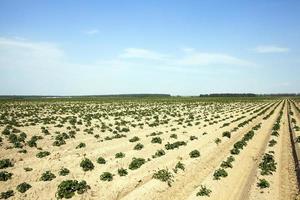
149	148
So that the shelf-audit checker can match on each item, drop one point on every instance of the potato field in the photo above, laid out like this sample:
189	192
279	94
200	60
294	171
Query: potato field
149	148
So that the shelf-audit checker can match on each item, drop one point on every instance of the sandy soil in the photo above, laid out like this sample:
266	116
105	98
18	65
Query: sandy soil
184	120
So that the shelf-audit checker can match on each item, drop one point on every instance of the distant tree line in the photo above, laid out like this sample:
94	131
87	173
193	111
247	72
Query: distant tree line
246	94
142	96
80	96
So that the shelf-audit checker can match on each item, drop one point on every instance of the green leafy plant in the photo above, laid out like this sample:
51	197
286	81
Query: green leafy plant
159	153
28	169
81	145
136	163
263	183
120	155
87	164
5	163
106	176
7	194
194	154
4	175
122	172
23	187
101	160
164	175
272	143
64	171
157	140
134	139
268	164
228	162
32	141
204	191
240	144
192	137
138	146
218	140
66	189
42	154
220	173
178	166
235	151
47	176
171	146
226	134
275	133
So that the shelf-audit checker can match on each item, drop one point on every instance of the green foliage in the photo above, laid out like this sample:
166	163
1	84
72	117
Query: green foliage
159	153
106	176
60	139
157	140
192	137
28	169
66	189
171	146
194	154
120	155
134	139
240	144
164	175
263	183
220	173
81	145
4	175
275	133
204	191
7	194
173	135
122	172
101	160
32	141
268	164
5	163
47	176
226	134
218	140
136	163
272	143
178	166
87	164
42	154
22	151
138	146
248	136
23	187
228	162
64	171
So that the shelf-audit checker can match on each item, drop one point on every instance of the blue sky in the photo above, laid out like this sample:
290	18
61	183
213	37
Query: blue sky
159	46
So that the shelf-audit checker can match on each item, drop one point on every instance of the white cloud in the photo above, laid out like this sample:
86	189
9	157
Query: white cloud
25	54
91	32
191	57
203	59
271	49
142	53
22	53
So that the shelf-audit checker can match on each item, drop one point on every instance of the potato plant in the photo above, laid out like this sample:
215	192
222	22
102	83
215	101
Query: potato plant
86	165
66	189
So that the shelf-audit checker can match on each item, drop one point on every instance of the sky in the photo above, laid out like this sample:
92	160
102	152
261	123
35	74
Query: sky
186	47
